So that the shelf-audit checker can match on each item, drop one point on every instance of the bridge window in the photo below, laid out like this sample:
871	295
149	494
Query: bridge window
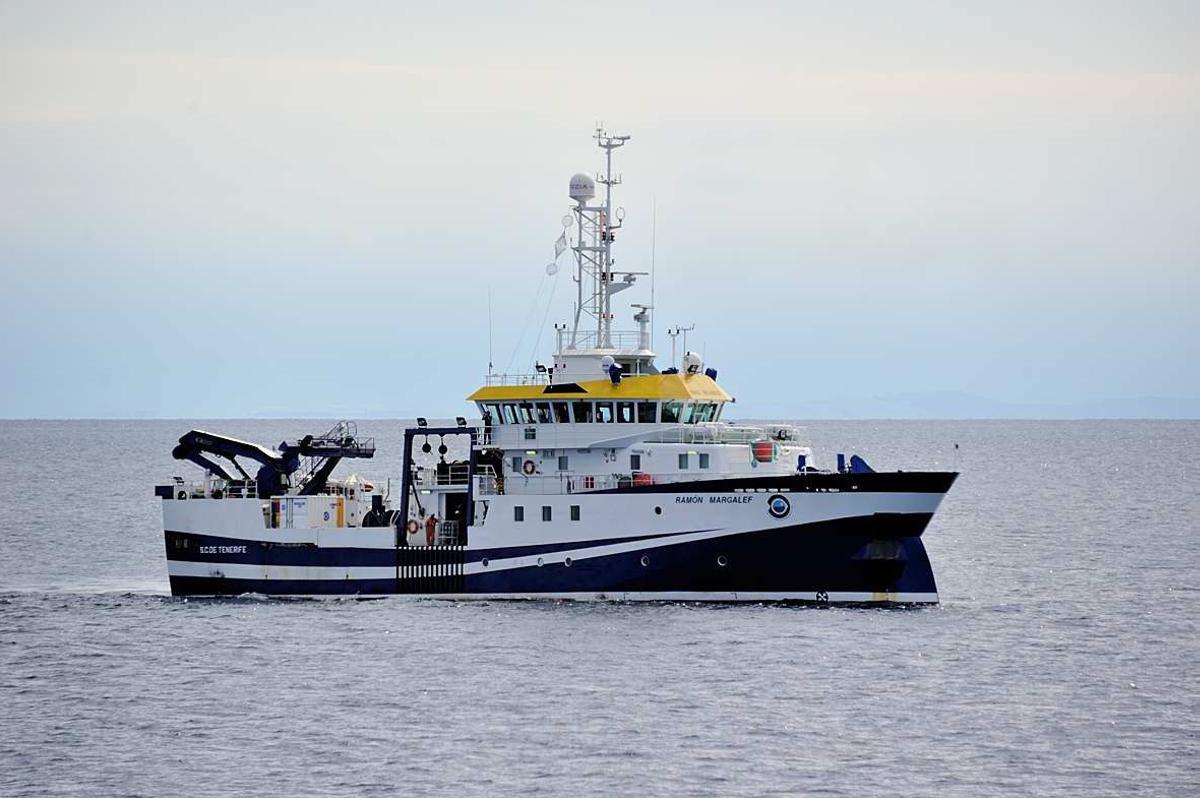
574	512
604	412
543	413
687	416
683	461
625	412
510	414
583	412
647	412
492	409
518	513
561	412
527	414
546	512
670	412
705	411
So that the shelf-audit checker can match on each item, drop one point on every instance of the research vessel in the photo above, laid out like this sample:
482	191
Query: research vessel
599	475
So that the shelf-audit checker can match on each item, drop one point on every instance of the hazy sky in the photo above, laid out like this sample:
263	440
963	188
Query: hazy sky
233	209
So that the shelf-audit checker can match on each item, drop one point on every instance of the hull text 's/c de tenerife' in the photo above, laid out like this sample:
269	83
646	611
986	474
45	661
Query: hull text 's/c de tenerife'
600	476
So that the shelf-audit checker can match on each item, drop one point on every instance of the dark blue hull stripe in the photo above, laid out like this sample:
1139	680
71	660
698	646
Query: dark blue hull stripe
211	586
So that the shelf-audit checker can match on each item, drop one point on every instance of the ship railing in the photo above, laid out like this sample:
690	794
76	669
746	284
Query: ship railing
217	489
340	487
726	433
241	489
538	378
451	475
448	533
553	485
488	483
344	434
619	340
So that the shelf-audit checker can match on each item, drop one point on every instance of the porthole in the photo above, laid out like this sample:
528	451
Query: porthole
722	560
645	560
567	562
658	511
541	562
484	562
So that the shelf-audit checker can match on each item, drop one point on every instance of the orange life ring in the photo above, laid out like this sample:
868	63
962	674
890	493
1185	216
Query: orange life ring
413	526
529	468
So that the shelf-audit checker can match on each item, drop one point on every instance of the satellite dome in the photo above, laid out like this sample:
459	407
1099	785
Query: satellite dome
582	187
692	363
607	362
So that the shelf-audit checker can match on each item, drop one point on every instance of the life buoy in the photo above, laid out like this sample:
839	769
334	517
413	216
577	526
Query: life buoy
413	527
763	451
529	468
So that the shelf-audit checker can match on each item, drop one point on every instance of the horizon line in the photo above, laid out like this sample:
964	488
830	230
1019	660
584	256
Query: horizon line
749	418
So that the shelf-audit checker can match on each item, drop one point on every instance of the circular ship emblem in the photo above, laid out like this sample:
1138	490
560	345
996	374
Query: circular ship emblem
778	506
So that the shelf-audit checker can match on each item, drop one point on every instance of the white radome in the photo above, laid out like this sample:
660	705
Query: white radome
692	363
582	187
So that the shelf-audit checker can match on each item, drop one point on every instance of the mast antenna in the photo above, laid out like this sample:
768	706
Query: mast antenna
596	224
653	238
674	332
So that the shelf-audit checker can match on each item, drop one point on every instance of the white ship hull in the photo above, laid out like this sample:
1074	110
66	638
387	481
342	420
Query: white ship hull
824	538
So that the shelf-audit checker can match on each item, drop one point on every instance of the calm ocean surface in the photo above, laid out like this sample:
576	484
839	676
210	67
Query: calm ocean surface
1064	659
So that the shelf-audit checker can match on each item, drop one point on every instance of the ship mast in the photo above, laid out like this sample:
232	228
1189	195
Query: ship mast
594	228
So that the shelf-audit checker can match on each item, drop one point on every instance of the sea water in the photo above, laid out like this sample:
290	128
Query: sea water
1061	661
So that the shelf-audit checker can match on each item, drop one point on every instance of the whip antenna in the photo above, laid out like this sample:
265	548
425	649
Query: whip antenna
653	238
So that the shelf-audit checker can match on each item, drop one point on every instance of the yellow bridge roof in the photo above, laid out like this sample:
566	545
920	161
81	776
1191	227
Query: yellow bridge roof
682	387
